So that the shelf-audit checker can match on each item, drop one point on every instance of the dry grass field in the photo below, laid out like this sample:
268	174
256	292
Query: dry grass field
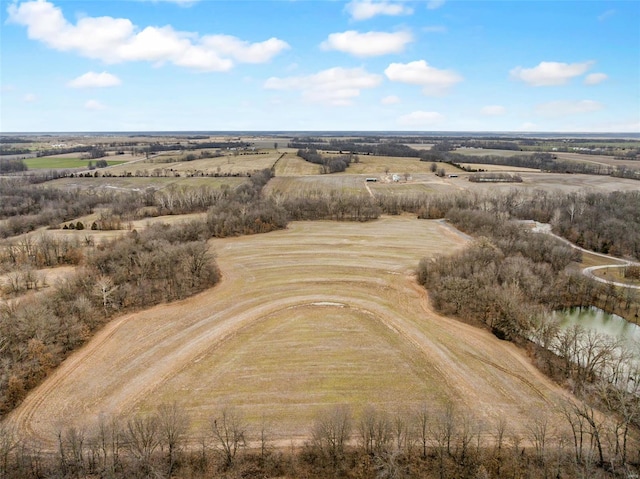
487	152
140	183
175	164
598	159
430	183
320	314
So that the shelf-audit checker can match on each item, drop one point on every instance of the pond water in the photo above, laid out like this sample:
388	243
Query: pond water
595	319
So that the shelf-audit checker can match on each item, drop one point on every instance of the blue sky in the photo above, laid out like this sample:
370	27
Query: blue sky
320	65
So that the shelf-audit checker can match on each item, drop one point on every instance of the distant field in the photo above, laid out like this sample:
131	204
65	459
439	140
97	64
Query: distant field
487	152
294	185
228	164
134	183
599	159
499	168
390	164
293	165
322	313
51	163
428	182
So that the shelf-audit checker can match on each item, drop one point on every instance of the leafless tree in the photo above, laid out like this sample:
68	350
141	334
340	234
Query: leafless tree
9	442
229	431
368	428
142	438
173	424
421	419
330	433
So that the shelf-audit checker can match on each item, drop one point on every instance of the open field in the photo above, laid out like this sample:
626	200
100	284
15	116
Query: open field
598	159
52	163
616	275
136	184
89	236
500	168
322	313
228	164
292	165
428	182
487	152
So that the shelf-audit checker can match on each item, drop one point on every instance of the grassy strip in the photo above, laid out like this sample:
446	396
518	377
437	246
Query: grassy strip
54	163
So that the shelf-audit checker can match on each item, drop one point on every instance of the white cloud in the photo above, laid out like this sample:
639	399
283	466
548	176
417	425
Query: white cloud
367	44
390	100
365	9
567	107
433	4
115	40
336	86
95	80
595	78
432	80
421	118
550	73
94	105
493	110
30	98
244	51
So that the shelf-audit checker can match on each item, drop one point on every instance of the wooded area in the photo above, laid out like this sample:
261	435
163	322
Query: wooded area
428	441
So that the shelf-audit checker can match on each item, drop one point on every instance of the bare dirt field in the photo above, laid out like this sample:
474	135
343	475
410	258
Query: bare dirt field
322	313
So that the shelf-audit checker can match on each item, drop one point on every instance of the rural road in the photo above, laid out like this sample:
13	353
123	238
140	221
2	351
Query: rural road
616	262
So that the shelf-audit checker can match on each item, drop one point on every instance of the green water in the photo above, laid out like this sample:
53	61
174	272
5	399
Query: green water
595	319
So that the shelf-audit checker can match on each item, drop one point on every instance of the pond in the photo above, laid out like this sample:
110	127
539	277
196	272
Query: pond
595	319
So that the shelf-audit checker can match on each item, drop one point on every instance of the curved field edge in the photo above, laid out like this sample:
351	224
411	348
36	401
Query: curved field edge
343	292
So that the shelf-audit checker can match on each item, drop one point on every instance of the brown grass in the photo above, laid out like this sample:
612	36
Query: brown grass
319	314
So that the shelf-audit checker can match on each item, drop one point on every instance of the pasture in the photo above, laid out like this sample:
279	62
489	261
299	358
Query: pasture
320	314
133	183
56	162
533	182
490	152
168	164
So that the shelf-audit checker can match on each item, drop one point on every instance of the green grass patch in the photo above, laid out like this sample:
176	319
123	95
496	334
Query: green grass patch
45	163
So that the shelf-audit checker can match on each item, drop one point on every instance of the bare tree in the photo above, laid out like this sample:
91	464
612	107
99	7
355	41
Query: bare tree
228	433
538	430
421	420
9	442
142	438
173	424
104	288
588	413
331	432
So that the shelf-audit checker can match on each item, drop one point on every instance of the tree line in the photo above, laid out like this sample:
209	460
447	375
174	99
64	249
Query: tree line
14	165
328	164
510	280
424	441
136	271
